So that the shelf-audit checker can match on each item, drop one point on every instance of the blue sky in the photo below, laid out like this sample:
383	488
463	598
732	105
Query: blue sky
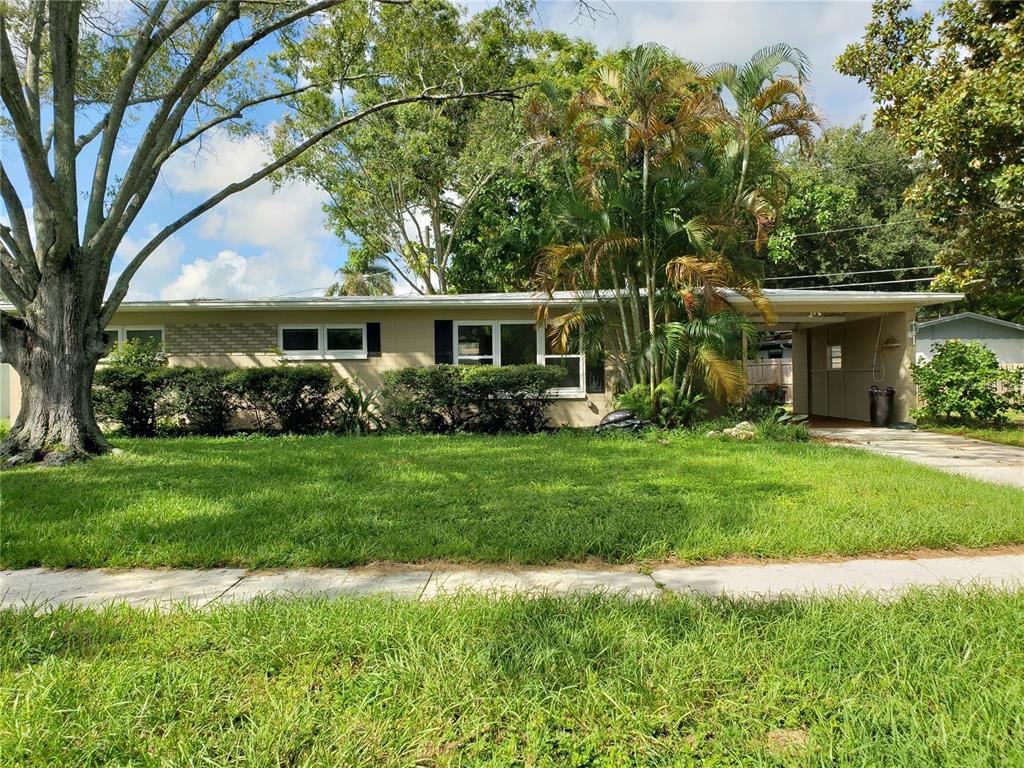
263	243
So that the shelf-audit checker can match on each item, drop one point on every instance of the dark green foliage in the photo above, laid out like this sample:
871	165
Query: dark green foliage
127	390
447	398
511	398
201	399
962	382
353	411
675	408
292	398
856	182
503	231
429	399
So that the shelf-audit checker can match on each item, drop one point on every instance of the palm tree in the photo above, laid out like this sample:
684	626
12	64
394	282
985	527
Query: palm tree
652	215
769	105
361	277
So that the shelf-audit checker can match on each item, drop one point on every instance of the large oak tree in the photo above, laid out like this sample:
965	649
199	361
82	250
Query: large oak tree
82	80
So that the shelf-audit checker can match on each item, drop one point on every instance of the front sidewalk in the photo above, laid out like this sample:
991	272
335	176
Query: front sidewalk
880	577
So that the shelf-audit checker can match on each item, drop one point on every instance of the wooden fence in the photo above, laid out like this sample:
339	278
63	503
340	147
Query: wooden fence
770	373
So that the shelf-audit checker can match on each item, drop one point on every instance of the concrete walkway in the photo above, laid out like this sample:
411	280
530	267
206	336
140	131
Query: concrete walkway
882	577
951	453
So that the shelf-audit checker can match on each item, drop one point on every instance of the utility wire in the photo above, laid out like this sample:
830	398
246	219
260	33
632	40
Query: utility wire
859	272
852	229
876	271
872	282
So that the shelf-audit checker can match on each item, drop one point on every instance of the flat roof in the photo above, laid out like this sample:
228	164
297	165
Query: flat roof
778	297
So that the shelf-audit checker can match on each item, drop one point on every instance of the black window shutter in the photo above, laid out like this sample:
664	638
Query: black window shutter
373	339
595	372
443	352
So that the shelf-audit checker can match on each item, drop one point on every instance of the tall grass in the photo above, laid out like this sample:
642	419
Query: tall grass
588	681
313	501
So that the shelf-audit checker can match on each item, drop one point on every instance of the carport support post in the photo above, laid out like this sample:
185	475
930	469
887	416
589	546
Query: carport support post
801	372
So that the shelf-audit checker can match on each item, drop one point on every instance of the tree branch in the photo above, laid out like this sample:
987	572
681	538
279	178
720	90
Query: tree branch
9	285
121	286
44	188
64	22
21	238
146	44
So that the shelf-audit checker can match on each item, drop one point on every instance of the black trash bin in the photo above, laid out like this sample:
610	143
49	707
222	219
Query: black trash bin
881	405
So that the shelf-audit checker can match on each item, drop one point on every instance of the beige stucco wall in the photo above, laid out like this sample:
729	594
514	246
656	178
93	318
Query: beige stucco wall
843	393
245	338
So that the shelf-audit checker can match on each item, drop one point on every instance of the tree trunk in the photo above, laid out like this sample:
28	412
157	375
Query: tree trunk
54	348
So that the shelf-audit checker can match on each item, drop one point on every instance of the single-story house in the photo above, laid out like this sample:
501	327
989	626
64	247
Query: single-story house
843	341
1004	338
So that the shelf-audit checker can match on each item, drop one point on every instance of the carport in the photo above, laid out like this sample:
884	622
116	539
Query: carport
846	341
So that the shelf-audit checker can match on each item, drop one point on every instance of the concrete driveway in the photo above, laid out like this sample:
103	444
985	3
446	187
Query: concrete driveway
958	455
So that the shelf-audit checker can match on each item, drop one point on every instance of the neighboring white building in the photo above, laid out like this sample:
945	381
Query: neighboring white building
1004	338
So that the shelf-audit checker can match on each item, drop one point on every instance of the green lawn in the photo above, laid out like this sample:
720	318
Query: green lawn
313	501
928	680
1011	434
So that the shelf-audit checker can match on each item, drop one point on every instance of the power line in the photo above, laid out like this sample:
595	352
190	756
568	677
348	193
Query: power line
876	271
859	272
852	229
872	282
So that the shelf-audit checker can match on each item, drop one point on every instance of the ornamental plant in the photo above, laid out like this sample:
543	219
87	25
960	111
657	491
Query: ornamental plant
964	383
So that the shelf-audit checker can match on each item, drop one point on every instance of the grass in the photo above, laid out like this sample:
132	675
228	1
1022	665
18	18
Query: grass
314	501
933	679
1007	435
1010	433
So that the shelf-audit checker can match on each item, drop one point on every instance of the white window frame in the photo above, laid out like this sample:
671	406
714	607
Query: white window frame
122	332
321	352
540	359
543	357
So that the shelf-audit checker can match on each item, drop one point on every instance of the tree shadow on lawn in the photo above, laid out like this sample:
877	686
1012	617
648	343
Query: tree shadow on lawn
327	501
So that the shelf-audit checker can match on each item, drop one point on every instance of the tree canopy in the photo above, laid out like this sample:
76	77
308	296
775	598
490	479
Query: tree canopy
402	183
852	189
157	77
949	86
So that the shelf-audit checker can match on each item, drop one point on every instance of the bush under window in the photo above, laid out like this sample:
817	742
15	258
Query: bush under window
447	398
128	389
292	398
201	399
962	383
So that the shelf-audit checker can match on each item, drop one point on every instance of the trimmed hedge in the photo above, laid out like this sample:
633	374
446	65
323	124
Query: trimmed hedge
130	388
295	398
446	398
201	399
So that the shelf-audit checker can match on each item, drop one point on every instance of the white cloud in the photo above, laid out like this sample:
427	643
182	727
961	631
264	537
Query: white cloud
294	253
228	274
712	32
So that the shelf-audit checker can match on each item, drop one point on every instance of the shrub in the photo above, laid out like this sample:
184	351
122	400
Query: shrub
675	409
128	388
511	398
961	382
429	399
353	411
447	398
294	398
201	399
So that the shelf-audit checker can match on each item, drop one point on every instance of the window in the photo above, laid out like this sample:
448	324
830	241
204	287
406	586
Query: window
323	342
518	343
569	357
120	334
474	344
155	335
835	357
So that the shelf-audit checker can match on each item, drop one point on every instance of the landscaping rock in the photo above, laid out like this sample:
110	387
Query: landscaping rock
742	431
